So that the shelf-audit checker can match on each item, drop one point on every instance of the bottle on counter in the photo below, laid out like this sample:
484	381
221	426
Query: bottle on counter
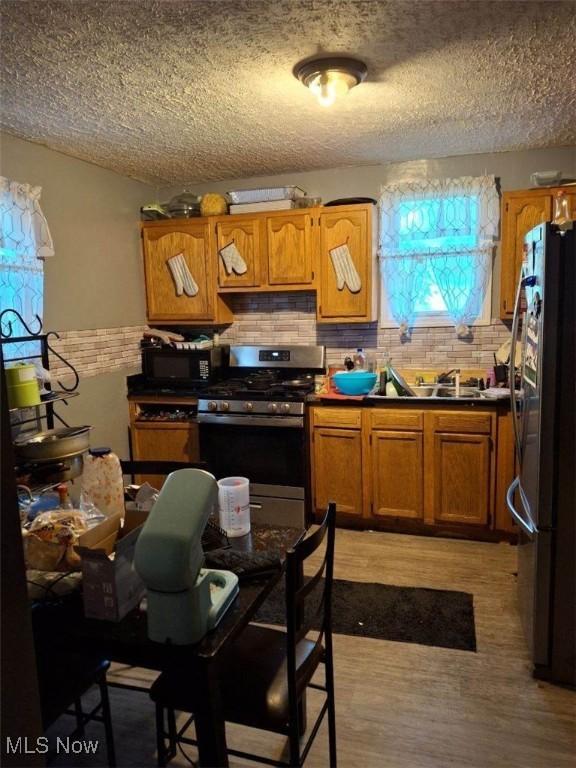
102	481
64	497
359	360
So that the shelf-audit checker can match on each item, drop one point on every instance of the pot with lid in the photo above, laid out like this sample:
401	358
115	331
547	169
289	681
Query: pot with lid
185	205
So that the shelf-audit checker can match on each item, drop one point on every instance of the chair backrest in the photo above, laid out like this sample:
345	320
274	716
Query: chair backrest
299	621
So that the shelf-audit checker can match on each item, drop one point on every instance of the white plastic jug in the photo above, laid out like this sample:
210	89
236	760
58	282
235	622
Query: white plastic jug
234	504
102	481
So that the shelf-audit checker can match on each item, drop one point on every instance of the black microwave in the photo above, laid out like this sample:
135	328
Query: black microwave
168	367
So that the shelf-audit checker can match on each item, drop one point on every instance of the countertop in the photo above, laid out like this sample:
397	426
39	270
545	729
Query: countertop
372	401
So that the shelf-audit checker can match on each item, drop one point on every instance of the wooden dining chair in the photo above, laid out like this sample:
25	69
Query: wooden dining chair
266	672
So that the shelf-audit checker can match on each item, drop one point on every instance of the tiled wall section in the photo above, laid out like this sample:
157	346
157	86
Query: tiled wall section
278	318
94	352
290	318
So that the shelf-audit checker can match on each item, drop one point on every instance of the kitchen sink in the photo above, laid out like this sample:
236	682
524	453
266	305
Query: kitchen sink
424	391
447	391
444	391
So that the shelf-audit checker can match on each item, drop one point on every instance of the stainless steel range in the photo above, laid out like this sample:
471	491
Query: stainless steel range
252	424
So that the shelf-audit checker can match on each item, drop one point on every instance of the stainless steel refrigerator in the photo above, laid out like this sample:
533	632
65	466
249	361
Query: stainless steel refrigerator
542	498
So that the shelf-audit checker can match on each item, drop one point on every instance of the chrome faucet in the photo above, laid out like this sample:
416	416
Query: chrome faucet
444	378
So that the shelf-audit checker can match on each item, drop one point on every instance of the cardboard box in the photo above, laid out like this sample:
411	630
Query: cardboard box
111	586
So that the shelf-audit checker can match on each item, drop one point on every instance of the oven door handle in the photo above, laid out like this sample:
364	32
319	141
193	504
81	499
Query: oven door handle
209	419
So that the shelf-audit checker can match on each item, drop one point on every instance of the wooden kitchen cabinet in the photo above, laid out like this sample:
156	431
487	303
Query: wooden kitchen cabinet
351	226
337	470
397	474
460	467
462	478
246	234
413	470
283	251
161	241
521	211
290	249
161	440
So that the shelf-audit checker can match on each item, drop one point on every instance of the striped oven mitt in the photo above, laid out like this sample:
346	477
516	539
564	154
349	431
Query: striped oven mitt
346	272
183	280
232	258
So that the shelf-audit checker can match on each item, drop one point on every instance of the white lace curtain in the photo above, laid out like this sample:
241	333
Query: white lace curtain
24	242
444	230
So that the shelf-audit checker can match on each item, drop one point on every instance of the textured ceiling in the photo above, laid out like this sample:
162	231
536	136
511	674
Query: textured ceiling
174	91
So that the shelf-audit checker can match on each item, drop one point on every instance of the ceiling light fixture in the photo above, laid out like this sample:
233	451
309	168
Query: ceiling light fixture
331	77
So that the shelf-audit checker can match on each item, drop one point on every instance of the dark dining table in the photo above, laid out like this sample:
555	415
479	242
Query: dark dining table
127	641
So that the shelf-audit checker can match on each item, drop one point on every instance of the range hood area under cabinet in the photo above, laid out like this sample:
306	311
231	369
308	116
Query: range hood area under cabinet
281	251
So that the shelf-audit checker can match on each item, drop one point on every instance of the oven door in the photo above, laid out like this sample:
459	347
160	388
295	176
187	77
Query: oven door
268	455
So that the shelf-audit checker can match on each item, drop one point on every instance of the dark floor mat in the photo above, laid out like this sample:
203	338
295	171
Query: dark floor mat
404	614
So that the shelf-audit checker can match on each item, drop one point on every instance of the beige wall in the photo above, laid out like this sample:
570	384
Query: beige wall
513	168
96	278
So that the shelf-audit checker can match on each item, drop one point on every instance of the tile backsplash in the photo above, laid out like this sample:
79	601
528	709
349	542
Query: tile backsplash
291	318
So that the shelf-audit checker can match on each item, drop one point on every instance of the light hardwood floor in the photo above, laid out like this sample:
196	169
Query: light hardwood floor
402	705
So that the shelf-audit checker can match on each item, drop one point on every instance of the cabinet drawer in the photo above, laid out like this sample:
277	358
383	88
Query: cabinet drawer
382	418
477	423
338	417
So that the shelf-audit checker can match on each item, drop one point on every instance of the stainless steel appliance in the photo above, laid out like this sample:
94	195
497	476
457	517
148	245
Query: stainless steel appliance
167	366
542	498
252	425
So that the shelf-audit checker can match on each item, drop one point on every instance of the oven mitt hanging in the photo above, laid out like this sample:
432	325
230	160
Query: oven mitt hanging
232	258
346	272
183	280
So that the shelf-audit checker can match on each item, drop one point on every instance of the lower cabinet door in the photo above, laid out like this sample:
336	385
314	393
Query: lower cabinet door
462	478
168	442
397	474
337	455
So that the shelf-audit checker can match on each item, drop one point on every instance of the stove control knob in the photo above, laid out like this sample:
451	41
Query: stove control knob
249	407
272	407
285	408
224	406
212	406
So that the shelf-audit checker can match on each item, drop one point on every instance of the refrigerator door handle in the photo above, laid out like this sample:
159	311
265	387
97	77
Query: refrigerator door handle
526	524
512	369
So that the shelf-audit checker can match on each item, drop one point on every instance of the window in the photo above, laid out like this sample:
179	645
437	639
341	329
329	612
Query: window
437	240
24	242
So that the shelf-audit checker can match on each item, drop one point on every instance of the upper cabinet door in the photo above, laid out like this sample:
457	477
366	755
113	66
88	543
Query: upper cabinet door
337	301
245	235
520	213
167	294
289	247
